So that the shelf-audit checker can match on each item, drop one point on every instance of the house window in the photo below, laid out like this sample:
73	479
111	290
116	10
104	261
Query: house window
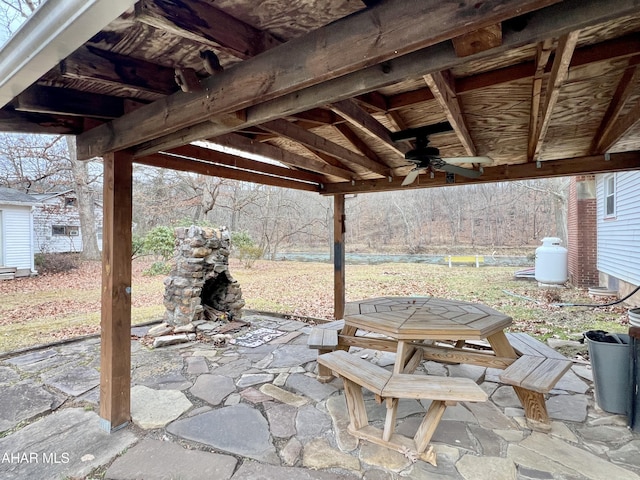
610	196
65	230
70	202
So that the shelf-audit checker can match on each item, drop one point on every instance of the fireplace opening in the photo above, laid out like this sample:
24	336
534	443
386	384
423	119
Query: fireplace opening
214	295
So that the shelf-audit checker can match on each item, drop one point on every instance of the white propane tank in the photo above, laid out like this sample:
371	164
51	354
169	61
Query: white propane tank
551	262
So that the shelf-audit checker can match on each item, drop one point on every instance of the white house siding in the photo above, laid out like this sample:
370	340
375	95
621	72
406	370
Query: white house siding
52	211
619	236
18	240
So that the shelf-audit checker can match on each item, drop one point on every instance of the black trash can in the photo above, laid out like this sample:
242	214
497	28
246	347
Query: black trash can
610	361
634	380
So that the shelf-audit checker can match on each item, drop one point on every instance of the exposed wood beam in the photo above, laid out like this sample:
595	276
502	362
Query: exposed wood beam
625	88
213	156
163	160
211	27
549	22
375	101
318	116
404	26
590	165
442	86
543	54
64	101
112	69
321	144
620	127
115	323
354	114
622	47
478	40
29	122
347	132
337	163
247	145
559	72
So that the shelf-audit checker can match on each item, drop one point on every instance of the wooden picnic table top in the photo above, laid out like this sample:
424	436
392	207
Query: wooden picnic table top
421	318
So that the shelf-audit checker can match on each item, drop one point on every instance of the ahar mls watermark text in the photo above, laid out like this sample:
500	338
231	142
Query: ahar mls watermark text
35	457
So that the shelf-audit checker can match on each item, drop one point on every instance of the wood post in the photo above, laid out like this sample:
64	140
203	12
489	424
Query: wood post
338	256
115	352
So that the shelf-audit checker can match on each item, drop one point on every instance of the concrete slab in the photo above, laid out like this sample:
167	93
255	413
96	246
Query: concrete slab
65	444
157	460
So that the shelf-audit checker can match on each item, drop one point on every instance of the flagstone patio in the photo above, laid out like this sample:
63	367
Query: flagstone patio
238	412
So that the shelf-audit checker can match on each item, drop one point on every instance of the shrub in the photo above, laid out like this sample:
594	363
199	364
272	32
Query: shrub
248	254
159	241
56	262
157	268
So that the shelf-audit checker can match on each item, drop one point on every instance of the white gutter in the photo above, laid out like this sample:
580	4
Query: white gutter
55	30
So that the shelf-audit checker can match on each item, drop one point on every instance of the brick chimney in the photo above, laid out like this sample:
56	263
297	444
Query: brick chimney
582	231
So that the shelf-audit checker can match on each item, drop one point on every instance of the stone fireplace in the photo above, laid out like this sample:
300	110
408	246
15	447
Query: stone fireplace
200	286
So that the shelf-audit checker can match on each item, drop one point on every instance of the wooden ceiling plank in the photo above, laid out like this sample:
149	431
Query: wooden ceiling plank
559	72
247	145
65	101
356	115
617	48
209	155
625	87
590	165
550	22
442	86
162	160
620	127
92	64
316	142
543	54
211	27
405	27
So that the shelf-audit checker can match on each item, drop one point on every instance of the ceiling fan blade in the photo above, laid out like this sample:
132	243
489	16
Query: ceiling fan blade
411	177
482	160
465	172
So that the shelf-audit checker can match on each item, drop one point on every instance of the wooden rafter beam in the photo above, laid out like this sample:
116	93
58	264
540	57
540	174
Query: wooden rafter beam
199	21
616	162
65	101
29	122
405	26
443	87
617	48
559	73
620	127
347	132
567	17
222	158
247	145
357	116
604	139
543	54
113	69
163	160
316	142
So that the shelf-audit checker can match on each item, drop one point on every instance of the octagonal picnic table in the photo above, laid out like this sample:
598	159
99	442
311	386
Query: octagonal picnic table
406	325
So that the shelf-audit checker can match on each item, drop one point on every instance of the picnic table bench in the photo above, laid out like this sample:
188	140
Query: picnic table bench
389	387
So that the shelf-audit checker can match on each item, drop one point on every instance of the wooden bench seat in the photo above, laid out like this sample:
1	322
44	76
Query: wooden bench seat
539	366
443	391
536	371
324	338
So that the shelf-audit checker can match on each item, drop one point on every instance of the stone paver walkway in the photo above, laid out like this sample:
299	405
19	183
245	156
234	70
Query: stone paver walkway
258	413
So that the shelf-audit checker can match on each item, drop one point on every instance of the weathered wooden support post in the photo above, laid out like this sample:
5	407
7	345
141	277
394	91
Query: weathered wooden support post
338	256
115	352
